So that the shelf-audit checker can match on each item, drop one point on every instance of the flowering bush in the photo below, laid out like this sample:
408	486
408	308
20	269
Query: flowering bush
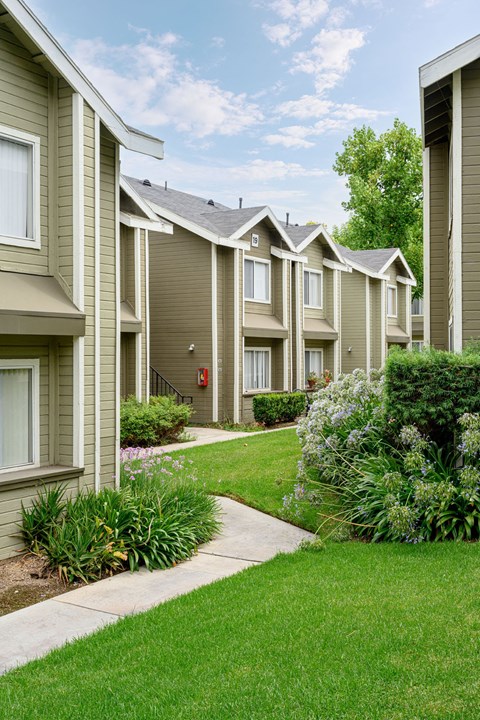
344	421
403	488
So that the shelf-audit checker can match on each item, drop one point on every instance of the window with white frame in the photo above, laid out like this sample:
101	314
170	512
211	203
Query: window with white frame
417	345
391	301
257	280
313	363
19	188
256	369
417	306
312	288
19	414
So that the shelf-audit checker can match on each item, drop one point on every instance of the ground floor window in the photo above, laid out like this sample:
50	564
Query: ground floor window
256	369
19	413
313	363
417	345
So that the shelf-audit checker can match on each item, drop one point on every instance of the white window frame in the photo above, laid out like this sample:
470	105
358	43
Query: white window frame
311	350
258	349
395	314
34	366
269	279
418	345
18	136
313	272
419	300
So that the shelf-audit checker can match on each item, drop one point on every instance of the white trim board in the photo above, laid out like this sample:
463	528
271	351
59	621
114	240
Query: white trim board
450	62
128	137
457	210
426	245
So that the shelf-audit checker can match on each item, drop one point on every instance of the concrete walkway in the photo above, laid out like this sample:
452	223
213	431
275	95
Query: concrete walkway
248	537
207	436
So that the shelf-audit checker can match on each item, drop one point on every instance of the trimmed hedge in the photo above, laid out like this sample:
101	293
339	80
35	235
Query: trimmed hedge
431	389
278	407
146	424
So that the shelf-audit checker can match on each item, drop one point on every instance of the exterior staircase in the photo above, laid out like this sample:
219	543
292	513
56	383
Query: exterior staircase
160	386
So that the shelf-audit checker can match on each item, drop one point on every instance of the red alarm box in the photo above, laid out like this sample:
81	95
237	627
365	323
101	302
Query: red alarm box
202	377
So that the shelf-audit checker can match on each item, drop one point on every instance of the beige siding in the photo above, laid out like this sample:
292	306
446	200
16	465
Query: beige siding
181	313
439	245
228	333
377	340
65	183
353	321
470	200
108	307
24	106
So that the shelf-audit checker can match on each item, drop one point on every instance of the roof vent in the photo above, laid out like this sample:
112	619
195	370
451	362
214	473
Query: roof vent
288	217
210	202
240	203
147	182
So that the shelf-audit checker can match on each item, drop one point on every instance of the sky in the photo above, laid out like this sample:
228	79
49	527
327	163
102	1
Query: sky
253	98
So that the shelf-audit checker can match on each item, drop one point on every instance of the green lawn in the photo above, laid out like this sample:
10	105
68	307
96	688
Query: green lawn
357	632
258	470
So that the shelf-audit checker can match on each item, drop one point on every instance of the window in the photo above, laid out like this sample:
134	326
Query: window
257	280
19	414
19	188
256	369
313	363
417	306
391	301
312	288
417	345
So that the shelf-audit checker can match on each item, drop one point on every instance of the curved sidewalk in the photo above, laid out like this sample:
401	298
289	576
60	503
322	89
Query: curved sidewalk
248	537
208	436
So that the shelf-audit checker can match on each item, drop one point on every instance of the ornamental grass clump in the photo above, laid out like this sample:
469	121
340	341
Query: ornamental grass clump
158	517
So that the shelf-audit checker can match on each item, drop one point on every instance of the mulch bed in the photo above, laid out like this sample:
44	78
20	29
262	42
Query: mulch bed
26	580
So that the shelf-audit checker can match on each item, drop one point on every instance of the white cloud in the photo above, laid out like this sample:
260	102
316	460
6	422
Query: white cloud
329	60
335	117
146	84
297	16
337	16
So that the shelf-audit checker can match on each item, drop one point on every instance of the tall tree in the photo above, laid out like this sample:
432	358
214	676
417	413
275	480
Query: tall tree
384	177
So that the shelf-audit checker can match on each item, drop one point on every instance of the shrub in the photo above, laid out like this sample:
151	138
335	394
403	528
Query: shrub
278	407
431	390
344	421
146	424
157	518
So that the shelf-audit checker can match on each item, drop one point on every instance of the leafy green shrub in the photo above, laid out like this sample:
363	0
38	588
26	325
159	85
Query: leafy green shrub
157	518
146	424
431	389
278	407
417	493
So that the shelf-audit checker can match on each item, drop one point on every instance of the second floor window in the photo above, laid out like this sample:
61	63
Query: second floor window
312	289
391	301
18	188
417	306
257	280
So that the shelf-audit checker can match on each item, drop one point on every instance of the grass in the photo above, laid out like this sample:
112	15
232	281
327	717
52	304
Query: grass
357	632
258	470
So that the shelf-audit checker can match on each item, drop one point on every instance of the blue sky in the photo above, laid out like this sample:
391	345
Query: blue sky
254	97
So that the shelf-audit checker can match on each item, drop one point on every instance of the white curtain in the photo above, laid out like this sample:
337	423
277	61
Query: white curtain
261	373
312	289
248	371
15	189
313	363
16	446
261	281
249	278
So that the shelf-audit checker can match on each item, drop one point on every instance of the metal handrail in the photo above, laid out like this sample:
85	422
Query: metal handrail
161	386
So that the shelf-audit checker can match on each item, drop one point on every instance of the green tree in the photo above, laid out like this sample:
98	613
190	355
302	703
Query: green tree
384	177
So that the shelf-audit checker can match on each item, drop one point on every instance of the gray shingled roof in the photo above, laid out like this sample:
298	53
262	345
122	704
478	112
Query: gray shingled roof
370	259
298	233
216	218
